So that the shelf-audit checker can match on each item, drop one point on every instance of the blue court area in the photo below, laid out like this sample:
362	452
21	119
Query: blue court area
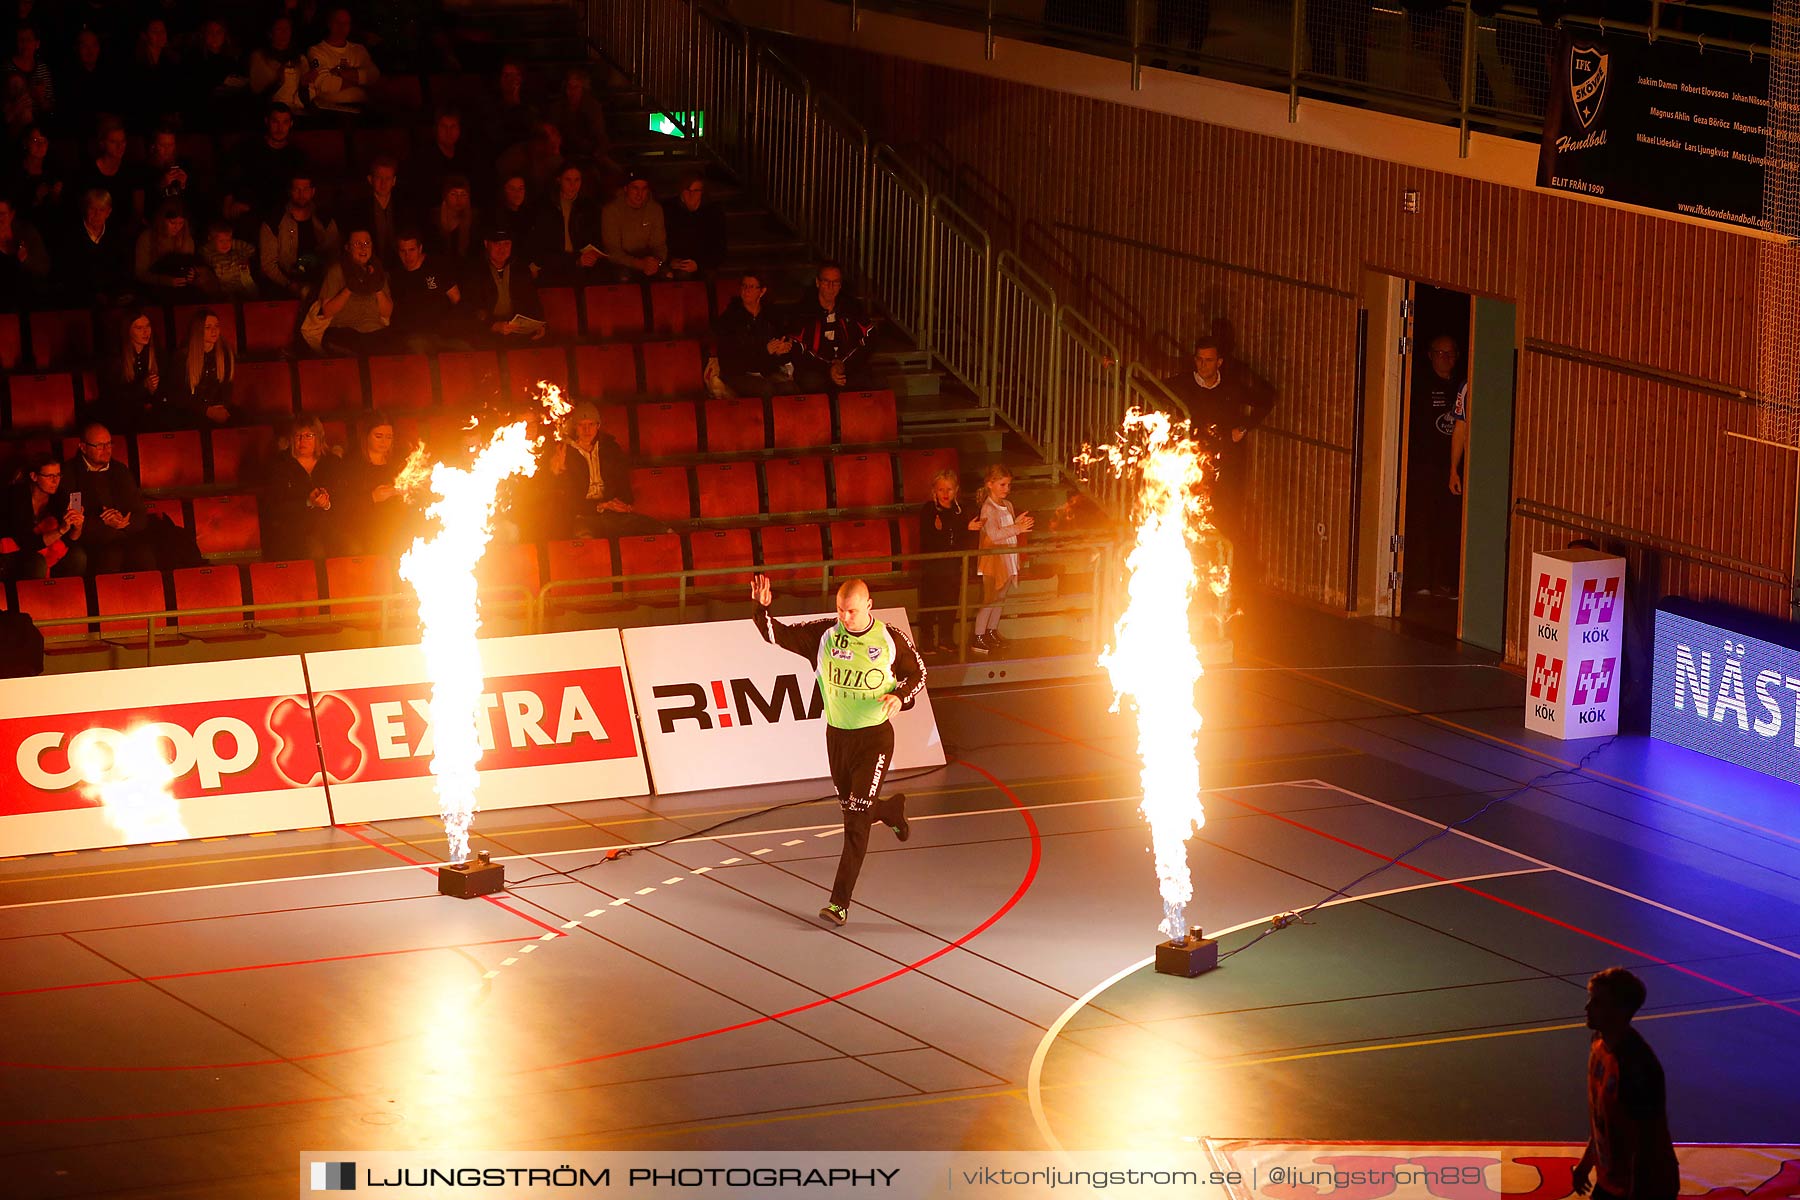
186	1019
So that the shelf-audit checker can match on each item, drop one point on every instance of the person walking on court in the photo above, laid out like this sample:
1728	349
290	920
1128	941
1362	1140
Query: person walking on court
868	671
1629	1155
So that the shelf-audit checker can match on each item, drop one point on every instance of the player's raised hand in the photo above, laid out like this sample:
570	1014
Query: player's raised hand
760	591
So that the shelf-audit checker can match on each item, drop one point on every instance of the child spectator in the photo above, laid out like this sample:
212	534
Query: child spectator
1000	526
229	261
946	522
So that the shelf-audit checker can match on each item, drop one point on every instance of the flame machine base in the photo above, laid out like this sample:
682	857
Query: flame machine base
1194	955
467	880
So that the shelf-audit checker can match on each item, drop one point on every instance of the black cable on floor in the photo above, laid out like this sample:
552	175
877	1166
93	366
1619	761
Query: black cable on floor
1294	918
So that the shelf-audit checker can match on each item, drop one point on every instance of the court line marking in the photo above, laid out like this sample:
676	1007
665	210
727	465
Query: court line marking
1035	1076
1572	874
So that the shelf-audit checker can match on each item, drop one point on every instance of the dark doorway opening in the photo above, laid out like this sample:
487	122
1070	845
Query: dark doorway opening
1437	375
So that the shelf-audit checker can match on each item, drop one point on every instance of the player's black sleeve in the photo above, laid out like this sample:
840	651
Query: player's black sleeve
909	668
801	638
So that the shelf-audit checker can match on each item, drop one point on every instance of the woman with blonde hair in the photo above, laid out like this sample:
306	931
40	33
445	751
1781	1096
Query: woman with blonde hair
167	263
1000	526
946	522
202	389
296	498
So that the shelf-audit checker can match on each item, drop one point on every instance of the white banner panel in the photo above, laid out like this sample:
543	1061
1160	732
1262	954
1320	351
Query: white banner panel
557	725
236	739
723	708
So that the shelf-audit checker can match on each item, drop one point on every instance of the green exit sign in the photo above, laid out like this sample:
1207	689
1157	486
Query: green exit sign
678	124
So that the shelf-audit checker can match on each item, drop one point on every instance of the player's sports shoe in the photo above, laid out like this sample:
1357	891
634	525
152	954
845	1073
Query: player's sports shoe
835	914
902	827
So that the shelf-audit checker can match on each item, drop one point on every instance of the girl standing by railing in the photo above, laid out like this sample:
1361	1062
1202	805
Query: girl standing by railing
1000	526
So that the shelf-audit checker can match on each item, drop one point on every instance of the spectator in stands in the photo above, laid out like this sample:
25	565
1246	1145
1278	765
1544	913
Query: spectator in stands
38	520
265	167
833	338
513	115
379	210
167	265
155	92
946	522
109	171
230	264
339	71
296	498
18	111
26	63
87	86
354	300
1225	404
503	302
566	234
632	232
24	263
131	384
513	208
589	470
163	177
696	230
94	260
276	67
539	159
450	226
578	116
308	18
756	353
35	186
427	298
374	517
297	242
446	154
1000	526
215	77
117	535
200	393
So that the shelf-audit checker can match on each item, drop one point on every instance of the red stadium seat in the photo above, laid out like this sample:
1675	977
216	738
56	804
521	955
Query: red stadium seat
802	421
666	429
561	312
12	342
227	524
400	382
661	492
728	489
679	308
721	548
264	388
47	599
130	592
64	338
605	370
468	379
359	575
580	558
324	149
454	87
657	554
170	460
909	533
269	325
195	152
182	316
863	480
795	484
368	144
865	418
792	544
671	368
210	587
918	466
509	573
613	309
733	426
42	401
525	369
400	93
237	450
862	539
289	581
329	385
15	455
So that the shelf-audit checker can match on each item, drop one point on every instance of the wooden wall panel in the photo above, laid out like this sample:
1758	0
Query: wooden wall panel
1189	223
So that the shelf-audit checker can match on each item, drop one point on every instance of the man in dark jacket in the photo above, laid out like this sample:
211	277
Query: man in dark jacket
500	296
832	339
696	229
117	536
756	352
1225	403
93	259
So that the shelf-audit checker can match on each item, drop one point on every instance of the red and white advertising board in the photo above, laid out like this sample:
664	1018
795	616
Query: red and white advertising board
1576	650
237	736
557	725
723	708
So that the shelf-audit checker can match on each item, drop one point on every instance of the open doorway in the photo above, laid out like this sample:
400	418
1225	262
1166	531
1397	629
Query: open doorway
1434	434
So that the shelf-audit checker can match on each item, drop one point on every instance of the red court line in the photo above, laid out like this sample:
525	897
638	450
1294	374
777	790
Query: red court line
432	869
1030	876
177	1112
268	966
